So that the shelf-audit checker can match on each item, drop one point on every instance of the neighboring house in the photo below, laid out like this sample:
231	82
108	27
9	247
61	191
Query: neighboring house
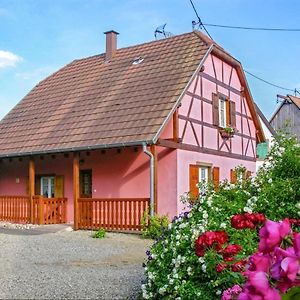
287	116
105	134
263	148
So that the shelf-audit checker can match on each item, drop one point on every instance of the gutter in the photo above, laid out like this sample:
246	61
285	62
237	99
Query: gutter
146	151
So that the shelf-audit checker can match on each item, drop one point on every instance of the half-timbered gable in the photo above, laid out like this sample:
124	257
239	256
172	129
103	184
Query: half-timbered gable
214	102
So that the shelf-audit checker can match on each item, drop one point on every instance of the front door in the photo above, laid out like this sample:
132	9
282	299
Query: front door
85	183
47	186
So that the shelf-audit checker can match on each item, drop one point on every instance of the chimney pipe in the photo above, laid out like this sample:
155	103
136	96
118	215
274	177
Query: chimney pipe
111	44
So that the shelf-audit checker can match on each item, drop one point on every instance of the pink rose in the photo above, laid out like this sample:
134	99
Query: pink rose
260	262
272	233
258	288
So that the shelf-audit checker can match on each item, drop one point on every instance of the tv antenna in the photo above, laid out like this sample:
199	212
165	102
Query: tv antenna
161	33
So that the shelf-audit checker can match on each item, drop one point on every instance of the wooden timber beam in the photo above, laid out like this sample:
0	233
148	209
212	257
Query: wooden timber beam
76	189
31	186
175	126
182	146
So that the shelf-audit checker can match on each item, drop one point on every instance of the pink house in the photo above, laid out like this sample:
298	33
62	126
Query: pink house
106	136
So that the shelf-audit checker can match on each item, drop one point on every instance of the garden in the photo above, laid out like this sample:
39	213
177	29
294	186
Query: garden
237	240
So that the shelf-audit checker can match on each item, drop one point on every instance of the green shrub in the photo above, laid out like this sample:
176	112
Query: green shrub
99	234
174	271
153	227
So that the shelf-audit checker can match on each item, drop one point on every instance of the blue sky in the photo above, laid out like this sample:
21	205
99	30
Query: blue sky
39	36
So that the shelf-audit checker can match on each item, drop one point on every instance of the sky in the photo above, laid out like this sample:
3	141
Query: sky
37	37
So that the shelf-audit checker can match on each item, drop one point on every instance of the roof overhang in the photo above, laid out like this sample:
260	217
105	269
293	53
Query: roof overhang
77	149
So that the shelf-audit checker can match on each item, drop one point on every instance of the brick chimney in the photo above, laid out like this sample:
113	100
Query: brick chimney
111	44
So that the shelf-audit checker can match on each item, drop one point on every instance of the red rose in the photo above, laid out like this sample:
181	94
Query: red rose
221	267
231	250
238	266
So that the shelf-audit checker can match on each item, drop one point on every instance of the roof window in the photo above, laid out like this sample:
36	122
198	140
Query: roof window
137	60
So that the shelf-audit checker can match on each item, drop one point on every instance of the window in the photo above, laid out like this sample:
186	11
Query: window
202	173
224	112
47	186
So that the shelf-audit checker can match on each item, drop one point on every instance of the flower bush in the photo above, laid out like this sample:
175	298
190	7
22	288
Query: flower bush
204	251
274	269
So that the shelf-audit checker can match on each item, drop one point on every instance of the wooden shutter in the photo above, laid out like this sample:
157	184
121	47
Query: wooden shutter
194	179
232	113
233	178
59	187
216	177
37	185
228	115
215	109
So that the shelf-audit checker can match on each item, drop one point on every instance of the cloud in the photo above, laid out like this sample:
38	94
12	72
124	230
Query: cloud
8	59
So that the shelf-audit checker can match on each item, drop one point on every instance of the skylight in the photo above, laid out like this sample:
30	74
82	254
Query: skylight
137	60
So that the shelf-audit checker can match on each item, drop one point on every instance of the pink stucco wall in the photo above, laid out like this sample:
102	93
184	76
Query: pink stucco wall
192	108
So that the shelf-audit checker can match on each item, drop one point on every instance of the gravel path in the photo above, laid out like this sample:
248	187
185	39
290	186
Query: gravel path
70	265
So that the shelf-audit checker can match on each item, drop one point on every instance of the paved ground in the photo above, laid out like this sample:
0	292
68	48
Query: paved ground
45	264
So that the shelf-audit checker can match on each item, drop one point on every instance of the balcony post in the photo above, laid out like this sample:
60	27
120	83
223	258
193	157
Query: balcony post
76	189
31	187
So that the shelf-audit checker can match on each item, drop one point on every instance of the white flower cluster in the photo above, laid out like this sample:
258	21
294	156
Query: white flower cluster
250	205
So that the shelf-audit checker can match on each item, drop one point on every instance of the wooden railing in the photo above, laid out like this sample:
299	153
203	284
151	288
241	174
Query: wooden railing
111	214
16	209
49	210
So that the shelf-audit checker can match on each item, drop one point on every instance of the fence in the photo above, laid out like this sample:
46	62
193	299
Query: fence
17	209
111	214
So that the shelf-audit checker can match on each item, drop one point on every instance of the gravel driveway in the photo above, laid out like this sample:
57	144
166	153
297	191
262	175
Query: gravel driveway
68	265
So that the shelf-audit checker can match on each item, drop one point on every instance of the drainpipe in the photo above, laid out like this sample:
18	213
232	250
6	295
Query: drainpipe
146	151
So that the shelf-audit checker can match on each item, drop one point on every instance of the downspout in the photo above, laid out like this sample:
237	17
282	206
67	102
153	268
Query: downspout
146	151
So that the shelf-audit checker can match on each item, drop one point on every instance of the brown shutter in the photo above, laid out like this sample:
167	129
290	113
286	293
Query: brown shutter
228	115
37	185
194	179
232	114
59	187
215	109
233	176
216	177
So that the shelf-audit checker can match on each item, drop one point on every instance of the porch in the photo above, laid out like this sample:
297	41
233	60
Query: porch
91	189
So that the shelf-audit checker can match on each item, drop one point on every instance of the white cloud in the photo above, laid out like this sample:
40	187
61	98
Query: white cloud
8	59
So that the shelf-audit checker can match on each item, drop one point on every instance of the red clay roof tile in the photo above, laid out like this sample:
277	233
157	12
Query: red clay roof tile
89	103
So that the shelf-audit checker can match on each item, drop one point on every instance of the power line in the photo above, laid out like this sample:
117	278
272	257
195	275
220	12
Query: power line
251	28
272	84
199	20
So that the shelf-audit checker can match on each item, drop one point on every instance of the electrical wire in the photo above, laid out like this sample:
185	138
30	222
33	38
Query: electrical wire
272	84
199	19
252	28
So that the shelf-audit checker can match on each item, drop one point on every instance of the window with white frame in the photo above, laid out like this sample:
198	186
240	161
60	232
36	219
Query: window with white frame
222	112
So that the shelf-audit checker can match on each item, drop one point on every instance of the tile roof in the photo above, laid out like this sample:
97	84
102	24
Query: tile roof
296	100
90	103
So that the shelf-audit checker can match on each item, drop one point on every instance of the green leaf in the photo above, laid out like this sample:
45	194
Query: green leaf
292	294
